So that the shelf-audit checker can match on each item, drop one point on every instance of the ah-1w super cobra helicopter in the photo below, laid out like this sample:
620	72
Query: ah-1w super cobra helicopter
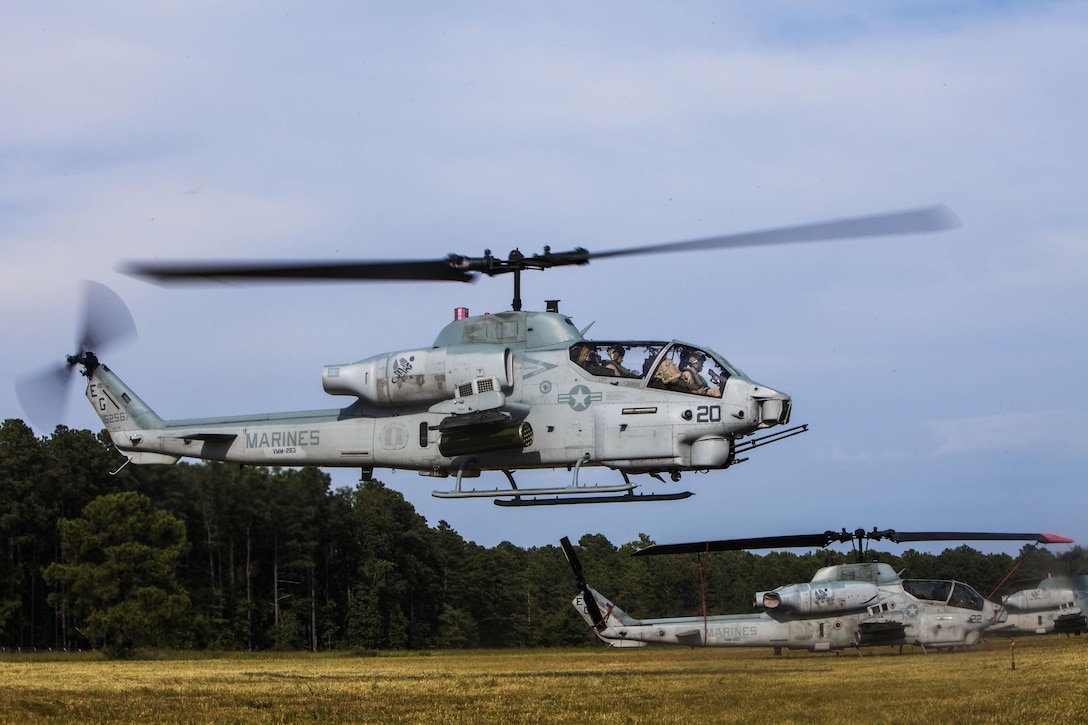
1057	604
843	606
503	392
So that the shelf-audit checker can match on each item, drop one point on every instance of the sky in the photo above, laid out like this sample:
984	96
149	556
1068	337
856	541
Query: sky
941	374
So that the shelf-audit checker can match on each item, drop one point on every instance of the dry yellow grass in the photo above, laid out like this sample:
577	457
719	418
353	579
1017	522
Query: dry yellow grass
1049	684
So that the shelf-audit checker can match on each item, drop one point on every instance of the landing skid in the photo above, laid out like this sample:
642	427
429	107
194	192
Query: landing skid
625	498
572	494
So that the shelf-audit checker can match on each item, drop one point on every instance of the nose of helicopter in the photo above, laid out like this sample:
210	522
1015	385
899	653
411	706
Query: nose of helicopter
771	406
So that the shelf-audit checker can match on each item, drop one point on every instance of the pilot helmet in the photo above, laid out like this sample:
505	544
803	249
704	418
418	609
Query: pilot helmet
695	356
617	349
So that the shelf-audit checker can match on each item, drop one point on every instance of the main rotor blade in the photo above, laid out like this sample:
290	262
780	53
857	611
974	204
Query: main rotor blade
760	542
438	270
820	541
457	268
904	536
914	221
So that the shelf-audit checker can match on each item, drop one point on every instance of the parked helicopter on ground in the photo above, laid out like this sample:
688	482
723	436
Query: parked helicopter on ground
503	392
843	606
1055	605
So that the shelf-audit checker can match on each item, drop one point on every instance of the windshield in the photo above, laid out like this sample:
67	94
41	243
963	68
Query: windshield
936	591
675	366
965	597
688	369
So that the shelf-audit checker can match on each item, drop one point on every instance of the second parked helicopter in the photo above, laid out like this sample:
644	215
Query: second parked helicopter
843	606
1057	604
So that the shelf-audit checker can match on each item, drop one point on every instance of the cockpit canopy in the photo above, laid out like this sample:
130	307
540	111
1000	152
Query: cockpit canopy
673	366
954	594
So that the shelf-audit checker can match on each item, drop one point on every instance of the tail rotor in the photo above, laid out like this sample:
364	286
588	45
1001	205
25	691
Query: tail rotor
105	321
580	581
106	318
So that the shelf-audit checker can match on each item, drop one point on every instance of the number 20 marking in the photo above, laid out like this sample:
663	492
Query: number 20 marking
708	414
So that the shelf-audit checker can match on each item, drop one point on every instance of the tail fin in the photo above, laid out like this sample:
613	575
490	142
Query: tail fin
611	615
601	614
118	407
127	418
612	627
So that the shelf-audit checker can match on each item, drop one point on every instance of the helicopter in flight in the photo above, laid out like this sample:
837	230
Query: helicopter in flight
502	392
843	606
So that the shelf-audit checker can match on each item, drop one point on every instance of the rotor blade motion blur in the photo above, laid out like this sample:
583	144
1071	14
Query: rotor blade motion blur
458	268
43	394
441	270
914	221
106	320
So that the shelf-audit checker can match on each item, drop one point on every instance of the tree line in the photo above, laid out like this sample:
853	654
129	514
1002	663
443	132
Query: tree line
217	556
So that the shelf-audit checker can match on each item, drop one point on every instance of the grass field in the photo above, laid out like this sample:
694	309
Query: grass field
1048	685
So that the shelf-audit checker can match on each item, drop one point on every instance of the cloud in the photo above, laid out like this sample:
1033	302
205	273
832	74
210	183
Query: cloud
414	131
1044	432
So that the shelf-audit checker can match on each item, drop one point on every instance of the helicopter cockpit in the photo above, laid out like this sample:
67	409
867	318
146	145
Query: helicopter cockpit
954	594
672	366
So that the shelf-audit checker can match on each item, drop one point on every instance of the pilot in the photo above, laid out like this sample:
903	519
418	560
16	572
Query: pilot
691	374
667	377
614	366
589	358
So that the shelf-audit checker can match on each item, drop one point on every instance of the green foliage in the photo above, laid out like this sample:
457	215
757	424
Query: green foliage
21	463
457	629
118	574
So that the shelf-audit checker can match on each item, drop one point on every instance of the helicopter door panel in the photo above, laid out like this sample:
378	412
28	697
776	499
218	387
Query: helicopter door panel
393	437
943	628
632	433
801	632
579	436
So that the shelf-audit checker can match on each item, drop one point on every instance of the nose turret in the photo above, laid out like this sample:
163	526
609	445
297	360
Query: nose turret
771	407
763	406
755	406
